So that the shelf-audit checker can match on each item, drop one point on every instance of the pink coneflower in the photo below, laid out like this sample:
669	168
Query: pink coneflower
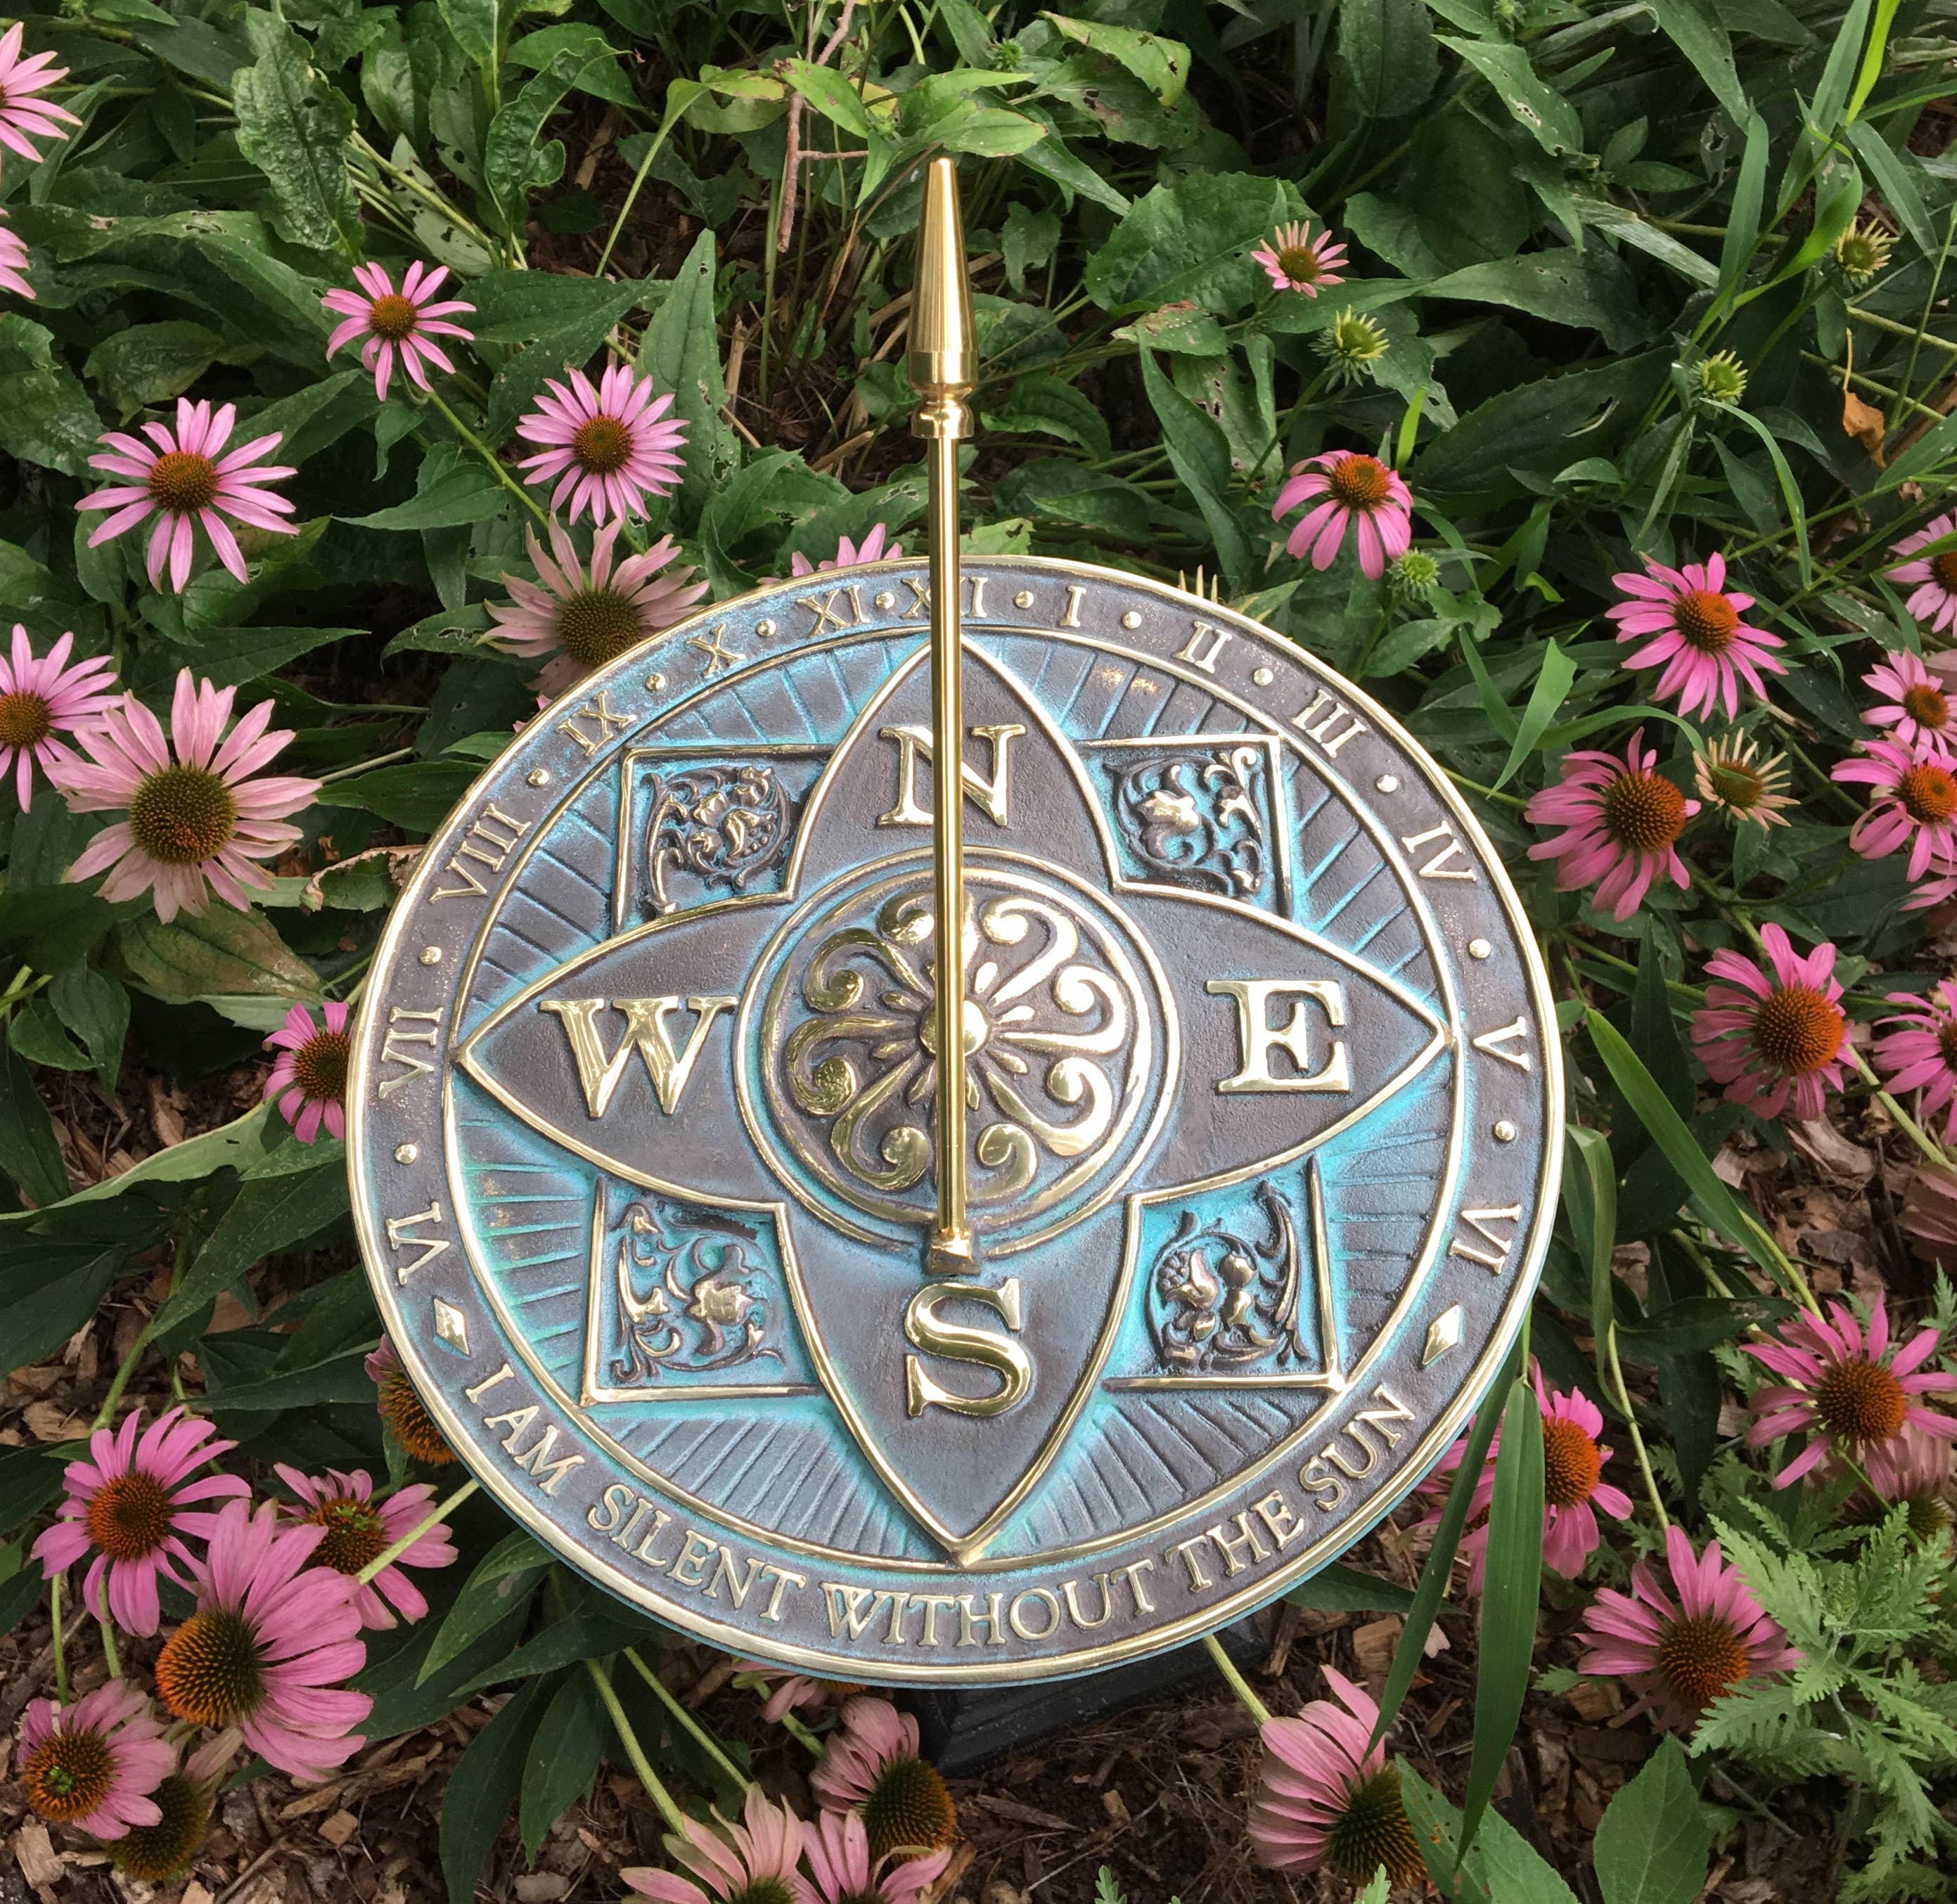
92	1765
392	321
198	820
1848	1392
794	1691
754	1862
1682	1654
14	262
1914	804
1294	260
871	1765
1691	627
359	1529
270	1643
837	1848
1934	600
308	1078
1326	1797
607	449
41	698
583	616
1913	705
184	479
402	1410
23	116
157	1853
130	1503
1347	488
1912	1472
1621	821
1929	1216
876	546
1922	1056
1765	1036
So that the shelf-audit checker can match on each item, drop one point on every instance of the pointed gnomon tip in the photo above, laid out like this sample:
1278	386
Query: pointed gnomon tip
940	361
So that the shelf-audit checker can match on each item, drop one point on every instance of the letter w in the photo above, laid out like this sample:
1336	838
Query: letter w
646	1032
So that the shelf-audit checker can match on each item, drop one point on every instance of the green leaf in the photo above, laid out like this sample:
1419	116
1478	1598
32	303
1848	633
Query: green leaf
1743	219
1517	1872
1200	454
221	952
47	418
230	656
1896	174
30	1479
148	363
36	1326
830	94
480	1790
401	1703
19	1594
600	73
450	493
29	1153
1790	490
475	27
418	796
1340	1588
96	1010
1189	242
513	161
590	1633
1549	118
1162	65
568	1744
1590	290
269	1214
1437	1830
38	1036
294	127
1511	1591
1831	96
1387	49
503	1578
1558	672
1653	1840
1669	1131
1694	28
682	350
235	1144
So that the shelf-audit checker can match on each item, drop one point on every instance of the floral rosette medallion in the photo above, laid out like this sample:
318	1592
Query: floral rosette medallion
1262	1110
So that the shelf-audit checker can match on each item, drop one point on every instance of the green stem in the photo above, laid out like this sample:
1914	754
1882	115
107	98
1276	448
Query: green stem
675	1818
367	766
494	462
1909	1126
388	1555
106	1412
108	1629
796	1729
1623	1398
59	1638
1916	332
1235	1680
701	1736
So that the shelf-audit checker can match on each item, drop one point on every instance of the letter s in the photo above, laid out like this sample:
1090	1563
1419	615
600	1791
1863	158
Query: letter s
955	1342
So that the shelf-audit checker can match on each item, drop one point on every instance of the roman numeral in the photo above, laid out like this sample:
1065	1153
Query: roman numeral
488	842
647	1033
1493	1044
1199	656
1478	1221
401	1236
719	656
993	795
600	711
1318	721
416	1067
1438	867
827	615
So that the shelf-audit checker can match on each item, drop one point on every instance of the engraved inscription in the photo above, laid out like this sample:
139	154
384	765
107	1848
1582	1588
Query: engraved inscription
1258	1038
992	793
401	1237
400	1035
1329	722
488	843
927	1327
1492	1249
598	710
647	1033
1497	1042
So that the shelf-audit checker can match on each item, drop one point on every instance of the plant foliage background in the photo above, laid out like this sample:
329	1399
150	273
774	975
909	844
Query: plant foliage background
1557	215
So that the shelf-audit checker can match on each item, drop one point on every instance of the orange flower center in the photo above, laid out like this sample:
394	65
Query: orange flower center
1928	794
129	1516
393	317
1572	1465
1372	1829
1360	482
908	1808
67	1776
209	1672
183	483
603	446
597	625
1927	706
25	719
183	816
157	1853
1706	620
1944	569
404	1411
1700	1658
319	1066
1861	1400
1797	1031
1300	264
1643	811
355	1535
1738	786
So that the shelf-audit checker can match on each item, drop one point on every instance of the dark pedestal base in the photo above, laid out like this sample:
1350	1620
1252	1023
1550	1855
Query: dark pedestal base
962	1729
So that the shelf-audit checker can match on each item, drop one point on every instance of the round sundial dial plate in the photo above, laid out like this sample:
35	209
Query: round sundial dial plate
1264	1101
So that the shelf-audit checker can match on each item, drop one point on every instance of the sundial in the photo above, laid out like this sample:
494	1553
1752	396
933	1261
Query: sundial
910	1304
